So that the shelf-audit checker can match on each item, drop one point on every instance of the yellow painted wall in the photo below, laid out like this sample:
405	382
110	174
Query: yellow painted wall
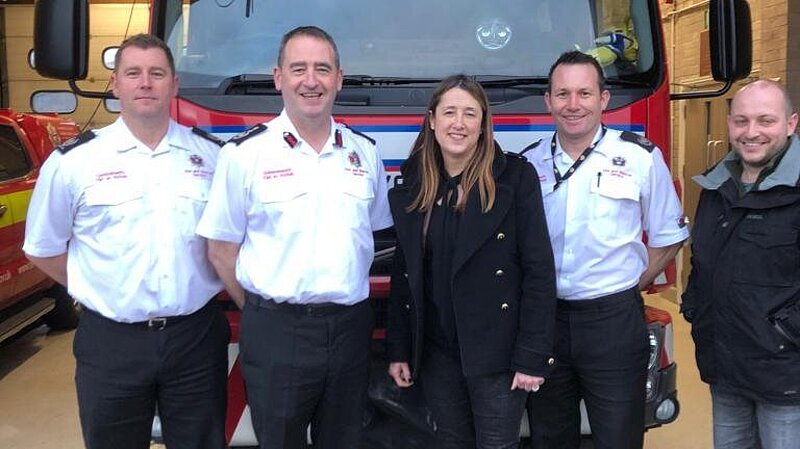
109	25
699	132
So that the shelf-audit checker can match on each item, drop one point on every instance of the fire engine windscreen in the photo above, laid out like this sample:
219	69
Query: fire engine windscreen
216	39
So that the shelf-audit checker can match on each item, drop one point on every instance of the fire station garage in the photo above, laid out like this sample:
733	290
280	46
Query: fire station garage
38	406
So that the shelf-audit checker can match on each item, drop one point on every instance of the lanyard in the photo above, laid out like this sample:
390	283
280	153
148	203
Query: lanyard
581	158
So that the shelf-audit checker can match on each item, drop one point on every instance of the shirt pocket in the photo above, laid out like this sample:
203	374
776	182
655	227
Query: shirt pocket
107	195
286	204
357	187
354	197
113	210
615	205
190	202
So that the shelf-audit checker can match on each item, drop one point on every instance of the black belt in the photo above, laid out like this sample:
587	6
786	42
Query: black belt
601	302
156	324
318	309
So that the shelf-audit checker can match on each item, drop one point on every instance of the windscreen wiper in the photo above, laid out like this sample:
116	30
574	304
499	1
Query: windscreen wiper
626	83
248	83
369	80
510	81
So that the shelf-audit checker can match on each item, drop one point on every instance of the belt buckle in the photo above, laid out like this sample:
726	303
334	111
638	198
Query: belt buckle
157	324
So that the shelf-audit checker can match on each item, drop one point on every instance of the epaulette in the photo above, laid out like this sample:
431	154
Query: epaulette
242	136
208	136
360	133
638	139
530	147
78	140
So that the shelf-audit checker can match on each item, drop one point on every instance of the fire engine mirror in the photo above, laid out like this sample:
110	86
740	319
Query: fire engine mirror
61	101
109	53
731	39
32	59
112	105
61	38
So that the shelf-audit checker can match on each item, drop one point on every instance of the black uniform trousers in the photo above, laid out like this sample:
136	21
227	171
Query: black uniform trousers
602	350
124	371
305	365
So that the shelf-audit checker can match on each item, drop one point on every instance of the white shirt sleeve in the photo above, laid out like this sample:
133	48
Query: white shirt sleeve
379	213
225	215
661	208
48	226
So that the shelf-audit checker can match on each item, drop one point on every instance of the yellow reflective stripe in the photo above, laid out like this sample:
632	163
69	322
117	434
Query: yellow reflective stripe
17	204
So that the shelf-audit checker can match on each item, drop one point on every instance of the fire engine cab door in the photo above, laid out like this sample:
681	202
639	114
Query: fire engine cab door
15	193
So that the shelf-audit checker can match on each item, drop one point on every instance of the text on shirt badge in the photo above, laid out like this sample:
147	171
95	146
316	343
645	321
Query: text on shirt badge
107	176
281	173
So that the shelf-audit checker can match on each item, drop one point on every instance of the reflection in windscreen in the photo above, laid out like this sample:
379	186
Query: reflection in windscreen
215	39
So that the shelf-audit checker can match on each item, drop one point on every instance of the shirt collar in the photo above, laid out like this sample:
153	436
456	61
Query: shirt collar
127	141
784	173
560	151
285	124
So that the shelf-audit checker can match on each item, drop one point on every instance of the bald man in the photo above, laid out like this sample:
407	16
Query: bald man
743	291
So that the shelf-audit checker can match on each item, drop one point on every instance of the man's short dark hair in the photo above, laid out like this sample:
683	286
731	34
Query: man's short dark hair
310	31
577	57
144	42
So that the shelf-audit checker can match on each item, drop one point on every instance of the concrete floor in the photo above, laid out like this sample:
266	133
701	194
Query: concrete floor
38	407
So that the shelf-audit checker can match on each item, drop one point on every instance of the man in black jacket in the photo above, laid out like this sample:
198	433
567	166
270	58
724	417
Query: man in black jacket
744	286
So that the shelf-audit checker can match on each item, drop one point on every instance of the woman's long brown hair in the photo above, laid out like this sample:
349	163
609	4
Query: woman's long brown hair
428	152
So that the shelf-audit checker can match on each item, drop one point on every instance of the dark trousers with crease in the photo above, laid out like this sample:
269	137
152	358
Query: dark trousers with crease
124	371
470	412
306	367
602	350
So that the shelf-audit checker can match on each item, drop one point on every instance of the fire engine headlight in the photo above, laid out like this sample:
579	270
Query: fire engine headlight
655	347
667	410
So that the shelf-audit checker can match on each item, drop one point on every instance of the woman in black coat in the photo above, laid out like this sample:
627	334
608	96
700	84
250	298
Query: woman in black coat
472	306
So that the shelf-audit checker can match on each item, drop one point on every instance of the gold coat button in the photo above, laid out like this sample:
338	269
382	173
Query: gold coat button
500	236
499	273
504	306
551	361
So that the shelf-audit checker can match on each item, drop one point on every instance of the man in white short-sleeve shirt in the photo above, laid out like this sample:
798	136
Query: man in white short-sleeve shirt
602	189
112	217
290	220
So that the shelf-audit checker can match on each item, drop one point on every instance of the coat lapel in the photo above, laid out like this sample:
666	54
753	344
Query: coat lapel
477	227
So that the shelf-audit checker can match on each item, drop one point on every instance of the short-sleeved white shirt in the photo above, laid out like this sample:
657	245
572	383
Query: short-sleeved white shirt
304	219
596	217
125	215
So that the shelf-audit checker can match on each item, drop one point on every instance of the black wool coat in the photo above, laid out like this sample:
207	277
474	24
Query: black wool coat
503	276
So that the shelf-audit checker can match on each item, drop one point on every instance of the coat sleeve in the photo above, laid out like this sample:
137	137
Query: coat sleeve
691	296
398	328
533	351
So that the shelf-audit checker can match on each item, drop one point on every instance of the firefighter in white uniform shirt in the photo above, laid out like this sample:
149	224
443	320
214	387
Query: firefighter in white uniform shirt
290	220
112	217
602	189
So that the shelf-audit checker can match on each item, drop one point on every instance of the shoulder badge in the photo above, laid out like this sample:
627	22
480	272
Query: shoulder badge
360	134
208	136
640	140
241	137
530	147
78	140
